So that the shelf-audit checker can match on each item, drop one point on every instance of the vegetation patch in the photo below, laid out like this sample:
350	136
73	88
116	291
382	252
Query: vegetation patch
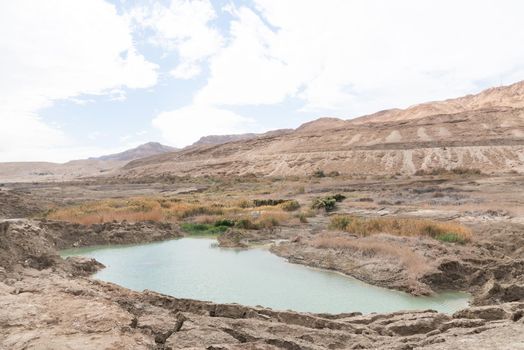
443	231
368	248
203	229
225	213
327	203
319	173
444	171
290	205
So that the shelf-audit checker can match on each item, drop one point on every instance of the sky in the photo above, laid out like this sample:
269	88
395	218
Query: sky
82	78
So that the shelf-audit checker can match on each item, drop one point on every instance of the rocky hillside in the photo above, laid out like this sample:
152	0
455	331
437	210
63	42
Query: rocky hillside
484	131
504	96
221	139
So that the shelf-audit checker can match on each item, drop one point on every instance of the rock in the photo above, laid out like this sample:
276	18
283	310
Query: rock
489	313
409	325
462	323
82	266
232	238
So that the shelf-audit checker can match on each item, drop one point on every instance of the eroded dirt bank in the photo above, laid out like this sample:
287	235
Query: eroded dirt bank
491	267
46	302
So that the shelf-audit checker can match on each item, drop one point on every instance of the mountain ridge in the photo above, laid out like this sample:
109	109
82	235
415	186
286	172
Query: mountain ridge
484	131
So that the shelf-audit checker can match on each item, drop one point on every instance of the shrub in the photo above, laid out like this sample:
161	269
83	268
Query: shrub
246	224
327	203
339	222
225	222
444	171
450	237
268	202
290	205
319	173
302	217
203	229
268	222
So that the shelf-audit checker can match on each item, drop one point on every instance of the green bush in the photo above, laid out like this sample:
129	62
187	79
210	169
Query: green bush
225	222
202	229
450	237
327	203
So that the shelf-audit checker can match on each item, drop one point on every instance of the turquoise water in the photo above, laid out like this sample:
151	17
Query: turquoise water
195	268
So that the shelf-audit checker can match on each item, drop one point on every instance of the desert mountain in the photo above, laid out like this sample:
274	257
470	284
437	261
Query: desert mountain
47	171
484	131
145	150
506	96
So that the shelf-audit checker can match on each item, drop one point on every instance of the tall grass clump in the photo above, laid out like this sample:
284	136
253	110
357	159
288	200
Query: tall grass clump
290	205
443	231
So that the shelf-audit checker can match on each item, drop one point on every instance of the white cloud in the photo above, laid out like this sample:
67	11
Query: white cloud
186	125
182	26
360	56
59	49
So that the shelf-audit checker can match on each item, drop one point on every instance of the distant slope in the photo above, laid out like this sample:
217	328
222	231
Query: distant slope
145	150
484	131
75	169
505	96
221	139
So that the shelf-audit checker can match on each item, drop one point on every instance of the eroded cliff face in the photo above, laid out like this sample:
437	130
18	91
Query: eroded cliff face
491	140
47	302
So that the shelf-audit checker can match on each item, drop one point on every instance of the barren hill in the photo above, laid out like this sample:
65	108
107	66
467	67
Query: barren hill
484	131
504	96
221	139
104	165
145	150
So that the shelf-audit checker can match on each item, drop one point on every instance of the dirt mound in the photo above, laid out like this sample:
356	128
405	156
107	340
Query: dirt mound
23	243
19	204
34	244
65	235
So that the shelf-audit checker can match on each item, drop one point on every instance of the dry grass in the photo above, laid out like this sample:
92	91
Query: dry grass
413	262
169	210
446	231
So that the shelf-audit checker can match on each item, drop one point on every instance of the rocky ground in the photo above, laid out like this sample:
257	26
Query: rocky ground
49	303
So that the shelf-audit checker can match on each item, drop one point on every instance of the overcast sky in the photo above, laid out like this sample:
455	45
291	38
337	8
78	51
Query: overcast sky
81	78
